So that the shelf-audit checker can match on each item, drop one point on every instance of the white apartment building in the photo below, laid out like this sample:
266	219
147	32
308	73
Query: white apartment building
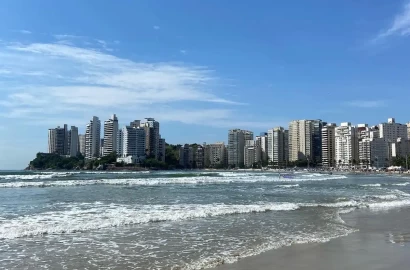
277	146
133	142
408	130
81	144
73	142
391	130
301	140
110	135
329	145
216	154
374	152
346	145
262	140
92	138
236	144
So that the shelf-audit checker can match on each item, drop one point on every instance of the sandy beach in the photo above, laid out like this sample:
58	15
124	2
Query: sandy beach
381	242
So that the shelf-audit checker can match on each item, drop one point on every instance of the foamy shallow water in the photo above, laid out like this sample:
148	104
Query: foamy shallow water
175	220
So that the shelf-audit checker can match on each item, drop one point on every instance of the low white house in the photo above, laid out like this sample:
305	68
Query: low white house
130	159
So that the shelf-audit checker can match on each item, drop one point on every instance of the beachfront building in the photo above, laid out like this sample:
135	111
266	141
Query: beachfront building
374	152
408	130
262	141
133	141
152	137
277	146
92	138
120	143
249	153
301	140
81	144
400	148
236	144
216	154
317	141
186	156
391	130
110	135
72	142
329	145
200	157
346	142
58	140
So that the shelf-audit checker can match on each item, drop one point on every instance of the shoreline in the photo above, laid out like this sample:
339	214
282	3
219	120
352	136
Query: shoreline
381	242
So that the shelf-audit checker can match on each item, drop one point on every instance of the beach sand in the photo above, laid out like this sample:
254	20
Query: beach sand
382	242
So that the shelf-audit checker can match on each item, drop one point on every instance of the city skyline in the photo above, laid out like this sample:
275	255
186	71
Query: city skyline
202	68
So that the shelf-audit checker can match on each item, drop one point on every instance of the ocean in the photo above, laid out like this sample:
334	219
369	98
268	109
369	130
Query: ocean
176	219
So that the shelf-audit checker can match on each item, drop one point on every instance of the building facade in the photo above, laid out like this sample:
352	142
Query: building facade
217	154
73	142
374	152
133	142
346	145
391	130
93	138
277	146
152	137
81	144
329	145
110	135
301	140
236	144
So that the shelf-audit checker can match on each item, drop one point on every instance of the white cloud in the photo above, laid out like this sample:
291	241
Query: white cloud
26	32
367	103
56	81
400	25
183	51
156	27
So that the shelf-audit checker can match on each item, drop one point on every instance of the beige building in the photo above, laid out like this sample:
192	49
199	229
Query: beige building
277	146
346	145
216	154
300	140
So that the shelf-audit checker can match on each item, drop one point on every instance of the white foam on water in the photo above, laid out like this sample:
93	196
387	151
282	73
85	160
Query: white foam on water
388	205
34	176
86	217
289	186
401	184
371	185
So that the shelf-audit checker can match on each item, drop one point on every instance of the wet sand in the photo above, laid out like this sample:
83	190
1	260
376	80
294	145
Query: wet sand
382	242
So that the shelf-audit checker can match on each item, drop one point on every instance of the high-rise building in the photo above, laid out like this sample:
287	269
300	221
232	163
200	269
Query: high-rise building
301	140
329	145
73	142
110	135
249	155
217	154
276	146
262	140
81	144
400	148
186	156
93	138
236	144
346	145
152	137
391	130
120	143
133	142
317	141
58	140
200	157
247	135
374	152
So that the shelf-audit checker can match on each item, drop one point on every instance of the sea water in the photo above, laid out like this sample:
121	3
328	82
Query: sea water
176	220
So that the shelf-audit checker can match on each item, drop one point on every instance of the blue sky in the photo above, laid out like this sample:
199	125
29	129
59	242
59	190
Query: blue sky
199	67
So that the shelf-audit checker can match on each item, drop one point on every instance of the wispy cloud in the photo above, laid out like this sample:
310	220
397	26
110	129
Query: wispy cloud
399	26
367	103
183	51
62	80
26	32
156	27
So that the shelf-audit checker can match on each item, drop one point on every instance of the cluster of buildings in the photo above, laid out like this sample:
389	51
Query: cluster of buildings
305	142
132	143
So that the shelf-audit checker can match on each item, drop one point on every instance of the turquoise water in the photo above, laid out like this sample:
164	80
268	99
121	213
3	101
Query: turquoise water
175	220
